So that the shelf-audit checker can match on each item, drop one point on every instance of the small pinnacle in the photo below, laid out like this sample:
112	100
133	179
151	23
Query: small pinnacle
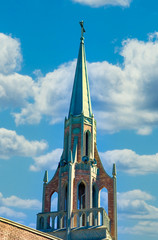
114	170
45	179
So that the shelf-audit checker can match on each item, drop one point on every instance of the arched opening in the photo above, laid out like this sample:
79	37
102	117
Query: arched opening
75	221
41	223
81	196
64	221
65	198
56	222
54	202
49	222
94	196
104	199
83	220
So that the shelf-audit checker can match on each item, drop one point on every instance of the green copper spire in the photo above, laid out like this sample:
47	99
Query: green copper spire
80	99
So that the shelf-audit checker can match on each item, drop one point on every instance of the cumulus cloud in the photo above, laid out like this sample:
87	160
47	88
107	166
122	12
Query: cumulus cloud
133	205
142	227
10	204
100	3
123	96
51	96
12	144
48	161
15	90
14	201
130	162
10	54
7	212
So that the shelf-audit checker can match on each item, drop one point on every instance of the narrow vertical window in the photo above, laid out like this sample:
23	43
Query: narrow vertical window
66	146
65	199
87	144
94	197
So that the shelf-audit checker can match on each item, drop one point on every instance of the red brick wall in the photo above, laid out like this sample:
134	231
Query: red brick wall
104	180
12	231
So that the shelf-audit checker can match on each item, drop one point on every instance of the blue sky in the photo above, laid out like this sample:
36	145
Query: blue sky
39	42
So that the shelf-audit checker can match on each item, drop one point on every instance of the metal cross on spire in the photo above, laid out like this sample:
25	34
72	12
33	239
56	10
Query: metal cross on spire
82	30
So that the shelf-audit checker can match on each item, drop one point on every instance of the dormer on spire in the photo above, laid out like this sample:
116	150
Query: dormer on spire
80	99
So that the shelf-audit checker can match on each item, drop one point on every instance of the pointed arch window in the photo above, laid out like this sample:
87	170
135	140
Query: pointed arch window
54	202
81	196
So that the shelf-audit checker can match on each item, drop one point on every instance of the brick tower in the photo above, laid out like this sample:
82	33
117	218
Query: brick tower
80	175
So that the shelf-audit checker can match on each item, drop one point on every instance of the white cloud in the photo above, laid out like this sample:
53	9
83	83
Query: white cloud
150	228
10	204
10	54
12	144
14	201
7	212
51	96
15	90
100	3
132	205
49	161
128	161
124	97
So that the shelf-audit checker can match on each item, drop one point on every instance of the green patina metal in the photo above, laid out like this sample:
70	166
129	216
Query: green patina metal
80	100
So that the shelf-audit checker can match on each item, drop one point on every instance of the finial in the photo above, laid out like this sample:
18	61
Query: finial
114	170
82	30
45	179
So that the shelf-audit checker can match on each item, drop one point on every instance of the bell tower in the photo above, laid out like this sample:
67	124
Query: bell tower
80	175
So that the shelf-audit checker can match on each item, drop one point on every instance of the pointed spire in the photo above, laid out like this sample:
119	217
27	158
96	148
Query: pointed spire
80	99
114	170
45	179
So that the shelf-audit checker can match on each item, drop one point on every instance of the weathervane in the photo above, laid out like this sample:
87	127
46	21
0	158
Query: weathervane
82	30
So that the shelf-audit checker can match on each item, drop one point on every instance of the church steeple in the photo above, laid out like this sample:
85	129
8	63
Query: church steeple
80	99
80	175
